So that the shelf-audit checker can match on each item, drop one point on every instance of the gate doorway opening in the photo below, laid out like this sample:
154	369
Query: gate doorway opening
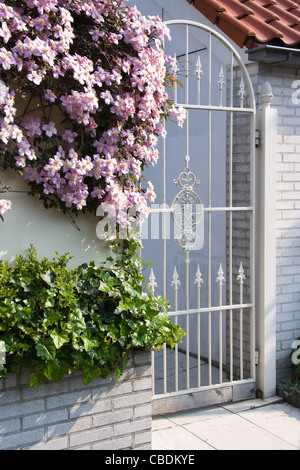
200	233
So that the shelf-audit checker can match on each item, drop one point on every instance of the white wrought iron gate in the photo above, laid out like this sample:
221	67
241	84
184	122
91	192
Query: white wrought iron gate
200	236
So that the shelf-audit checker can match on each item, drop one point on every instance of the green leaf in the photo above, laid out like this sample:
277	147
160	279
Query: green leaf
36	380
52	317
119	371
89	342
59	338
45	349
75	319
3	372
48	277
90	373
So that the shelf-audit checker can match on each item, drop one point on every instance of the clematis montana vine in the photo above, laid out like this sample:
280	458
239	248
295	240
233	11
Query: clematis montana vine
83	92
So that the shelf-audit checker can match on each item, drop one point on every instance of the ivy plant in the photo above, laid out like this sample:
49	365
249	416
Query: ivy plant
54	319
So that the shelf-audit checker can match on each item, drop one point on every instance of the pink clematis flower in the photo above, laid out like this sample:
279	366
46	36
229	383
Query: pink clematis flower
50	129
5	32
5	206
69	136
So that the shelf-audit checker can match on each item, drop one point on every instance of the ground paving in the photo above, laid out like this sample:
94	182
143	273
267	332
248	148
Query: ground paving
270	424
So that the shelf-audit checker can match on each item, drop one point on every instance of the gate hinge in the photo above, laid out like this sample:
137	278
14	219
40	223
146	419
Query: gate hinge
257	138
256	357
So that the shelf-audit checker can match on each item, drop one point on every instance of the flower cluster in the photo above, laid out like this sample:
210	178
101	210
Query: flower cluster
89	79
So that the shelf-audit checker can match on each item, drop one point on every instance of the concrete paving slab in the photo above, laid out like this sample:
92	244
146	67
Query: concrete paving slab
281	420
232	432
161	422
177	438
249	425
192	416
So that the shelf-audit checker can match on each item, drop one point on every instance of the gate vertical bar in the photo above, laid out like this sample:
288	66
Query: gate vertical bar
176	283
187	294
220	280
164	241
241	277
231	224
198	281
187	255
198	73
209	204
152	284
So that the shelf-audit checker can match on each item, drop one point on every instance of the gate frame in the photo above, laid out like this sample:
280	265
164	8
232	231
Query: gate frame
266	246
266	372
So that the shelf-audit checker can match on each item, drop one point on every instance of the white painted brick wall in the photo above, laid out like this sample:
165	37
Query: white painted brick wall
288	207
105	415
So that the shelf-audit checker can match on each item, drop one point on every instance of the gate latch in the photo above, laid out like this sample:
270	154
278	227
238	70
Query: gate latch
257	138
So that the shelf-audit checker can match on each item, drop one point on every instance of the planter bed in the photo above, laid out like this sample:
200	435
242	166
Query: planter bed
293	397
108	414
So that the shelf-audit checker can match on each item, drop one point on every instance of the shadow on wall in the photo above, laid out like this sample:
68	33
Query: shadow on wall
29	223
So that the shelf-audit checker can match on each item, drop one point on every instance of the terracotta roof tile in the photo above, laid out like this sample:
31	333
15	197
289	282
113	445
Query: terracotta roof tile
261	12
296	13
236	9
253	22
209	9
291	35
286	17
287	4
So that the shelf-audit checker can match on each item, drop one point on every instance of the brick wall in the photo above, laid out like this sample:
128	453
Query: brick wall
105	415
287	206
240	222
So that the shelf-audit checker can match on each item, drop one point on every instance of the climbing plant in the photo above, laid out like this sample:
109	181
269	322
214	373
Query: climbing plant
83	92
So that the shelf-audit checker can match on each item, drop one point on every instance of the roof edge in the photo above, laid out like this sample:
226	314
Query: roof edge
248	30
275	55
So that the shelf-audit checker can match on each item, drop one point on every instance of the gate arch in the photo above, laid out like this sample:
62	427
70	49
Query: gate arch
200	236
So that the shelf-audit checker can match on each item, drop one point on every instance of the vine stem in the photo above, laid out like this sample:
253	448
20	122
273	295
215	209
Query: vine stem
73	221
13	191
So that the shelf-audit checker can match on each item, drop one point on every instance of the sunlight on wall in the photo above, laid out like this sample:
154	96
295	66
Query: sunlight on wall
47	230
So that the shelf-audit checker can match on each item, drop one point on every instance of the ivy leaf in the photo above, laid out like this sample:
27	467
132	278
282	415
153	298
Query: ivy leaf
36	380
52	317
89	342
3	372
107	283
45	349
76	319
119	371
60	338
90	373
